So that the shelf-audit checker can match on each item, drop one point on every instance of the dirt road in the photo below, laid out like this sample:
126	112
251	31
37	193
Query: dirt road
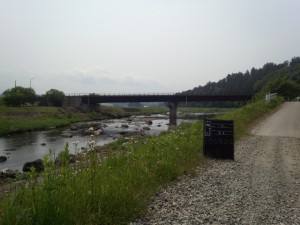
284	123
262	185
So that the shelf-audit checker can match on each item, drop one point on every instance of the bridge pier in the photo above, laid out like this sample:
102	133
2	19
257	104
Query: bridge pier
76	101
173	112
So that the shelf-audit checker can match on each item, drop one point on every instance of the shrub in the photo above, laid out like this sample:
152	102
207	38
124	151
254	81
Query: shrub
54	97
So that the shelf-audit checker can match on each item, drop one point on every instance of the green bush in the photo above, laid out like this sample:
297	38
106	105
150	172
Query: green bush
54	97
19	96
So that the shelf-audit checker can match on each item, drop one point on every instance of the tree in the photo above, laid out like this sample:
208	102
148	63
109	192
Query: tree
19	96
295	61
1	101
54	97
286	88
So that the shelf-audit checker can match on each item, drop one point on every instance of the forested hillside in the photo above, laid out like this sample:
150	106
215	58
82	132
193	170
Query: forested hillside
283	78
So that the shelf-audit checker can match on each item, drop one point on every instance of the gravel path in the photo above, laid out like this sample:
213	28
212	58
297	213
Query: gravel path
262	186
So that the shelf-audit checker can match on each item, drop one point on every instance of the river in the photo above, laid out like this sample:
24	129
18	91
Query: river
29	146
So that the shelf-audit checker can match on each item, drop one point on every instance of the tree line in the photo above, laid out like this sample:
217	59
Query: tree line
283	78
20	96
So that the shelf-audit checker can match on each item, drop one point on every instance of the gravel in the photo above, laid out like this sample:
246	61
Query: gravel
261	186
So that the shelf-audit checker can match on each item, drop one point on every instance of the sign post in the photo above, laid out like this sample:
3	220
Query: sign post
219	139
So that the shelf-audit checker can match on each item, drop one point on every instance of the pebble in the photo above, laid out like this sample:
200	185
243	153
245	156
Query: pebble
253	189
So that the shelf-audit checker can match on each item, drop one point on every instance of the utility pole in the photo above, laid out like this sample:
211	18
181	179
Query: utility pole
30	81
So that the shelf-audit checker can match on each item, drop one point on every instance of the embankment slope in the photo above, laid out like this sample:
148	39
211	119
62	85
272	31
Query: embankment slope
262	185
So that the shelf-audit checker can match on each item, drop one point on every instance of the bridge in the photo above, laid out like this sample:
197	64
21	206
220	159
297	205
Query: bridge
90	101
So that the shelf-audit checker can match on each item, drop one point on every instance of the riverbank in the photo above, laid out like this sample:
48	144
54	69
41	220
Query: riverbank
32	118
261	186
119	189
252	189
23	119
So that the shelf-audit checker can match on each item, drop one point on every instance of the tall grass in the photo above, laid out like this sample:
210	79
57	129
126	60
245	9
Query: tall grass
117	190
112	192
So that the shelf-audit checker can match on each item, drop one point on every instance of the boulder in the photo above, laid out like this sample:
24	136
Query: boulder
124	126
146	128
149	122
73	128
67	135
8	173
38	165
3	158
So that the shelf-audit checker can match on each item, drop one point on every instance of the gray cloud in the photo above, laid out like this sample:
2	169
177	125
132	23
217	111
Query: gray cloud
140	45
81	80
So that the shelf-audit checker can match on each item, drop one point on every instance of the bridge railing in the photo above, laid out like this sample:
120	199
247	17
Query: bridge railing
132	94
120	94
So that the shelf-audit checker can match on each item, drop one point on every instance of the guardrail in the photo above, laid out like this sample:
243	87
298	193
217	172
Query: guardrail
271	96
120	94
140	94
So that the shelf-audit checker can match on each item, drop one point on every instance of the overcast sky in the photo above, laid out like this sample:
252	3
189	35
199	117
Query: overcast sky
138	46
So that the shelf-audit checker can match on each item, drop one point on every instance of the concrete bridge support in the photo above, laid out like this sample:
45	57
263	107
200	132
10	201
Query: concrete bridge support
76	101
173	112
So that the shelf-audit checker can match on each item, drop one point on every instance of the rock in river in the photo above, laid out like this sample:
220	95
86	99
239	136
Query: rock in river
73	127
146	128
149	122
38	165
3	158
67	135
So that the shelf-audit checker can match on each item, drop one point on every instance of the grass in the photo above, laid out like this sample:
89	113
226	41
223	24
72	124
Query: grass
161	109
129	111
245	116
113	192
20	119
13	125
26	109
117	190
203	110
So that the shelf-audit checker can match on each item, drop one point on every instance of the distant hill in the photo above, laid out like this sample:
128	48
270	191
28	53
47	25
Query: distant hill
283	78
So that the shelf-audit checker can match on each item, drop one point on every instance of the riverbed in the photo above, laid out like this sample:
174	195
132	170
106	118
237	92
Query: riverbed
29	146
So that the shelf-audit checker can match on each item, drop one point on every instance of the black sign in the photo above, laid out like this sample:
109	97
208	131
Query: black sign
219	139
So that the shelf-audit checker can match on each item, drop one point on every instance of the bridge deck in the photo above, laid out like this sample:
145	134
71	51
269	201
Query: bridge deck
94	99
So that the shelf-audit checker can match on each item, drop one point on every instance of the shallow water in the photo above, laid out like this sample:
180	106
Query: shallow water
26	147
